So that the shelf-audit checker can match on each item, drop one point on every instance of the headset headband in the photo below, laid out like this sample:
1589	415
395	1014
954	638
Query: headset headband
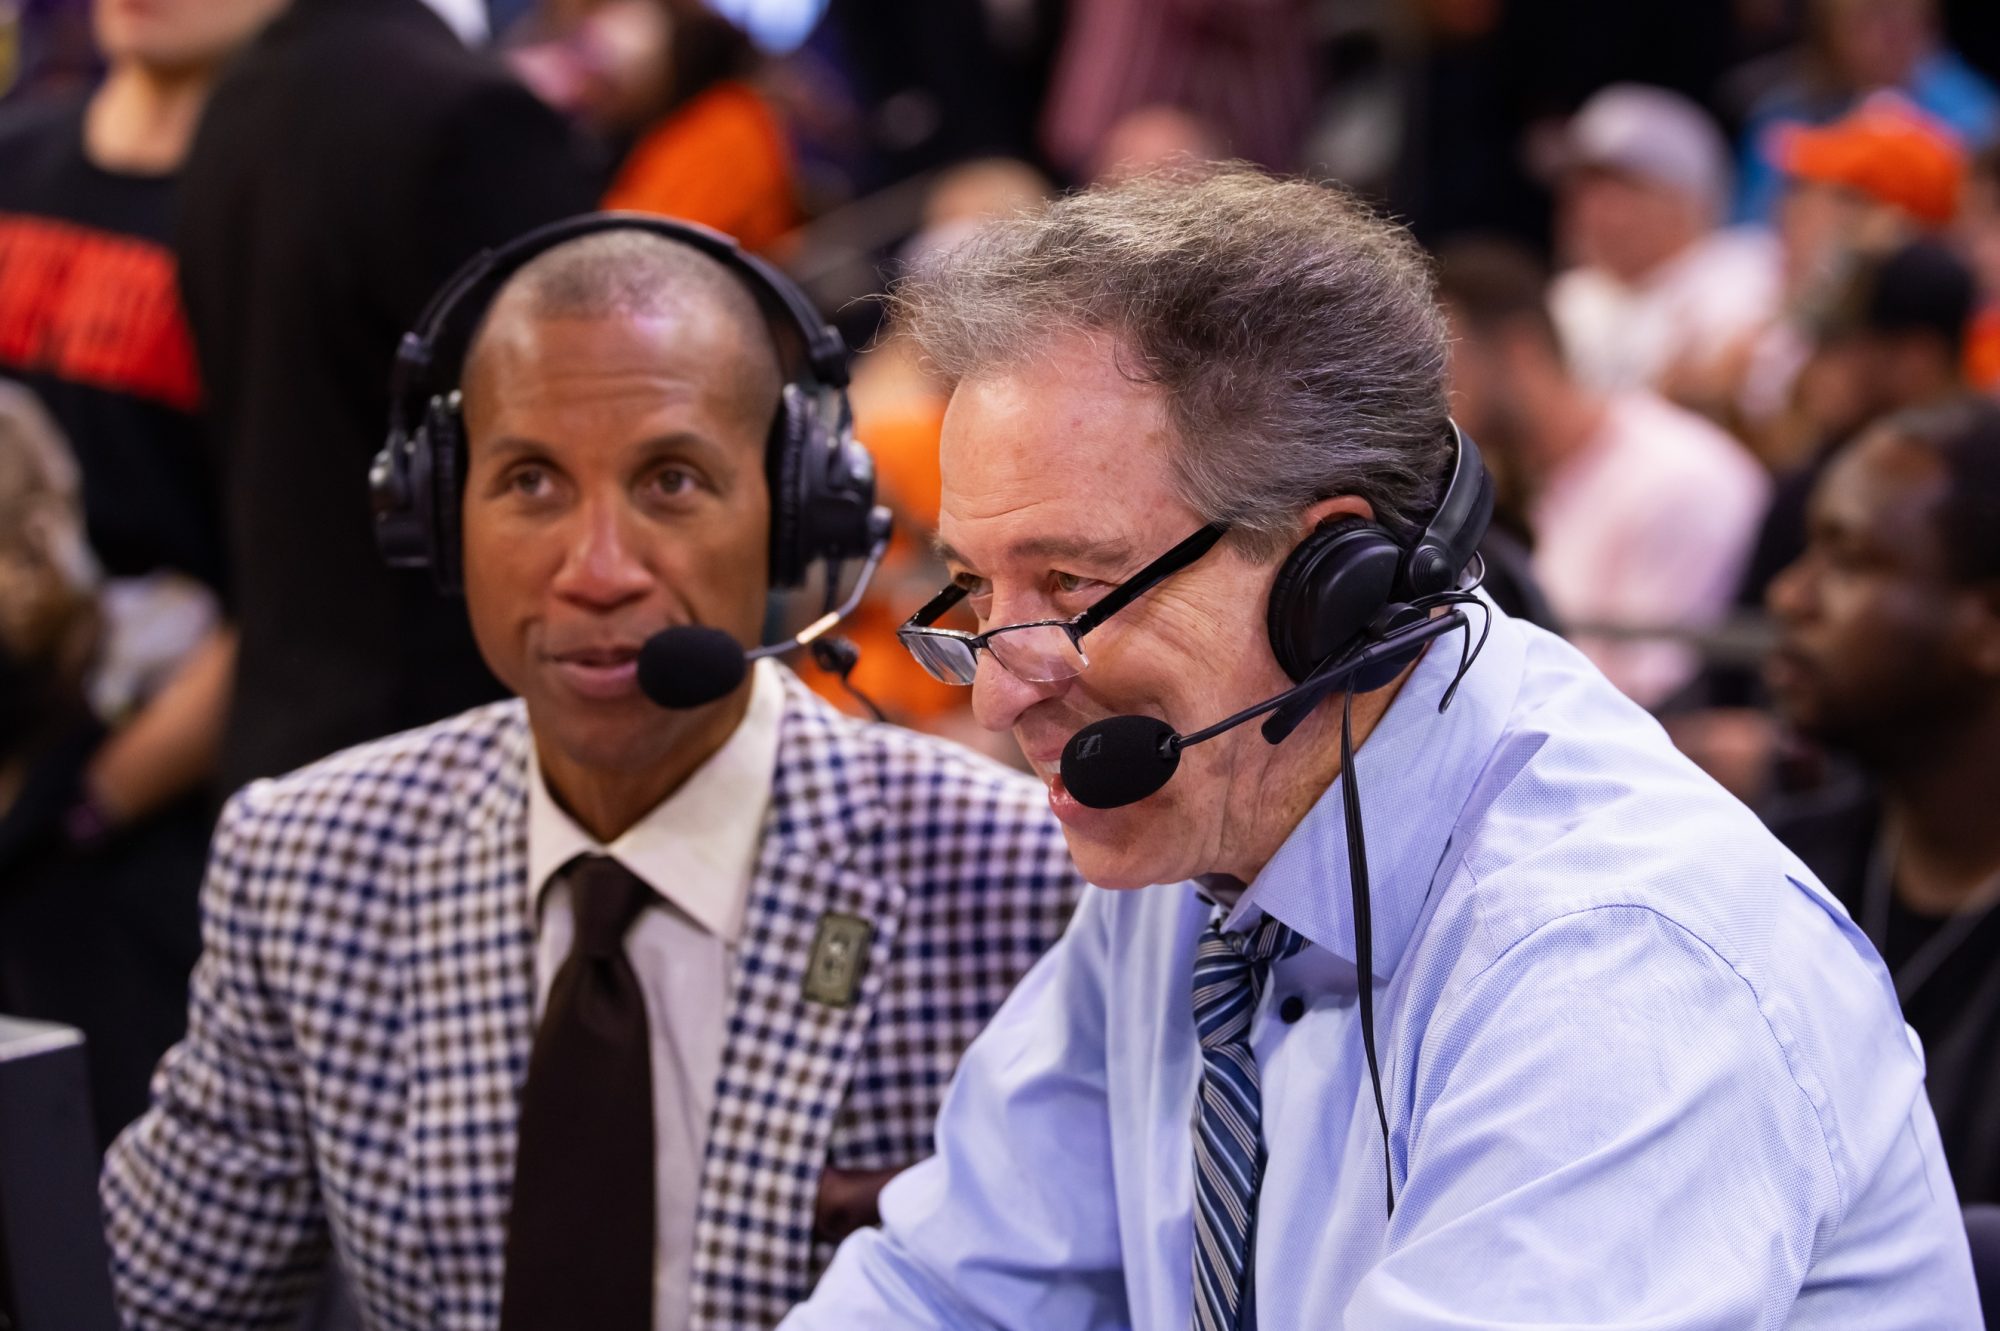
1448	541
825	350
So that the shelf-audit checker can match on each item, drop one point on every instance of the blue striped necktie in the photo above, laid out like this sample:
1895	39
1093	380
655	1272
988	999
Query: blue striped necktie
1229	973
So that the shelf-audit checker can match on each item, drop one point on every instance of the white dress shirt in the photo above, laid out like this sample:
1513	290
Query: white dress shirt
698	850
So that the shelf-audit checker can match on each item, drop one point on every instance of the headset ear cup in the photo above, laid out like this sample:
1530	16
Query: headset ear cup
788	470
399	528
1328	591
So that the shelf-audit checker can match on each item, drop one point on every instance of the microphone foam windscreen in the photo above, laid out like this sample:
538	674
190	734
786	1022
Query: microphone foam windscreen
690	666
1119	760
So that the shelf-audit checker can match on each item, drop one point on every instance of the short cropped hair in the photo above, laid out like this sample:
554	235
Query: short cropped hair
639	273
1964	434
1293	331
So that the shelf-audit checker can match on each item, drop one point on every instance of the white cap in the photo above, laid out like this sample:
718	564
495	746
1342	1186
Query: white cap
1654	134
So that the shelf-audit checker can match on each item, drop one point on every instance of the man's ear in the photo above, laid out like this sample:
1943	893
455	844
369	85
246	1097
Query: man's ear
1338	506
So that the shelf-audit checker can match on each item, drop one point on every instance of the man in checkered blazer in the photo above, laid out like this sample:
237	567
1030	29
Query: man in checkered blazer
378	926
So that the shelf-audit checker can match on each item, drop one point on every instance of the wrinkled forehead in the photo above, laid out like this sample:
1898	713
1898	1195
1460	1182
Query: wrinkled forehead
1059	453
617	366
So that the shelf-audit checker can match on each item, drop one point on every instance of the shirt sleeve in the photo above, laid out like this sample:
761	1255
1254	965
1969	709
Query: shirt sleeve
211	1200
1605	1132
1013	1223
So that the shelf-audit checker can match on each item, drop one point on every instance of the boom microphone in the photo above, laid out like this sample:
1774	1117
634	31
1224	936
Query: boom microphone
1120	760
692	665
1123	759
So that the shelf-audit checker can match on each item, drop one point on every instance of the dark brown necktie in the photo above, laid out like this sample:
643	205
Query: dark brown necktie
580	1234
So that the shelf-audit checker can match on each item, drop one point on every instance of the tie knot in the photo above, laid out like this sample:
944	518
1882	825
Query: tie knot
1229	971
1270	941
605	898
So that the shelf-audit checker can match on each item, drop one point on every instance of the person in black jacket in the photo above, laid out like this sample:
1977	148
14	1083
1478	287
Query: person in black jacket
353	158
1890	655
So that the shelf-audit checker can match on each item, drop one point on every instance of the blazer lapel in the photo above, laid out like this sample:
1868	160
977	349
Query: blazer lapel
470	1015
792	1044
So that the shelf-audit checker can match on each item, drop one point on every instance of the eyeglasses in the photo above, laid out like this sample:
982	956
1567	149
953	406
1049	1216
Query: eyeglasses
1045	650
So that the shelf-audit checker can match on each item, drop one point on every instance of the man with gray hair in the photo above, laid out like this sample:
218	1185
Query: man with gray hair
1612	1058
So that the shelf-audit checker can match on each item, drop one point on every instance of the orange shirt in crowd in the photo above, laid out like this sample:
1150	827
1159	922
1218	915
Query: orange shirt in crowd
905	448
720	160
1982	350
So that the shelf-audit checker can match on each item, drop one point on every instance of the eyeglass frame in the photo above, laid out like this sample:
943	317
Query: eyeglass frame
1181	556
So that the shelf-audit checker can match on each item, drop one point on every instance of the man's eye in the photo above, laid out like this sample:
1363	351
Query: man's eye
674	481
529	482
972	585
1068	584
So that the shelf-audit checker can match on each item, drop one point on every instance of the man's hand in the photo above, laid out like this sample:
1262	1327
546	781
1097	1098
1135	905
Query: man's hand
848	1201
169	748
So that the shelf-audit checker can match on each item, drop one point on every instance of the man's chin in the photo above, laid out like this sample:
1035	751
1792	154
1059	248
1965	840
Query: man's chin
631	740
1121	858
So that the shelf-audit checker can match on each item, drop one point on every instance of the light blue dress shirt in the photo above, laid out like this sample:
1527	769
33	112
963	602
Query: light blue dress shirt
1641	1071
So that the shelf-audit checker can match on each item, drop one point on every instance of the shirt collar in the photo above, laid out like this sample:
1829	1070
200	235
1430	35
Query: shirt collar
1416	770
698	847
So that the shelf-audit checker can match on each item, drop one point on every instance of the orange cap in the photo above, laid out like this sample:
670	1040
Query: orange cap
1886	149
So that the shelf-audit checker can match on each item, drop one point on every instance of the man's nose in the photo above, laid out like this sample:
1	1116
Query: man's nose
1789	597
999	696
603	567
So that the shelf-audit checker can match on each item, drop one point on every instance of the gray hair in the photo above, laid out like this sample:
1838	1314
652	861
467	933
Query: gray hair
1294	333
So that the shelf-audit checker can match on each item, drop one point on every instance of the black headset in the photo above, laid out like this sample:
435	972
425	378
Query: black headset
822	481
1351	581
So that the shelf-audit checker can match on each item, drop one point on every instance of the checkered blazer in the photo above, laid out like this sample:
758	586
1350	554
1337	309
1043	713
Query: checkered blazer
362	1013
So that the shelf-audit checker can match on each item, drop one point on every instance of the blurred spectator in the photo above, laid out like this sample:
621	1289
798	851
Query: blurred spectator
91	321
1886	157
1855	190
47	48
1455	163
1150	138
603	63
1895	339
1656	291
939	82
349	162
675	87
899	410
1852	48
1979	242
96	930
1487	87
1640	512
1244	69
713	149
1890	655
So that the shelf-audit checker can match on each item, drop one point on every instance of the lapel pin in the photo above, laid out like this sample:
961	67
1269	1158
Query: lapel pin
839	956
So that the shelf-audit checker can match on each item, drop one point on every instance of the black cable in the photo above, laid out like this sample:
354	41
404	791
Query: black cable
838	656
1364	929
1468	650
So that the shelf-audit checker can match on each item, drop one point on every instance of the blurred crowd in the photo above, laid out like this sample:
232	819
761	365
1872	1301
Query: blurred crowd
1724	277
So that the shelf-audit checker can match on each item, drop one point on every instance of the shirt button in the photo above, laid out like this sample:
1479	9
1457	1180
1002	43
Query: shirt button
1291	1009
